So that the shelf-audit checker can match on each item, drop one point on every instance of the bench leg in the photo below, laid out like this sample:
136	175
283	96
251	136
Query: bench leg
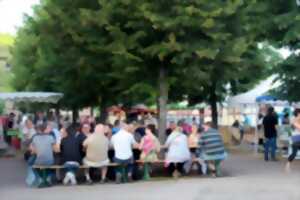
146	171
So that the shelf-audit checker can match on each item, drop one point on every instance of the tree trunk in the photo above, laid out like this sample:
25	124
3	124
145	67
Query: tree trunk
162	103
214	106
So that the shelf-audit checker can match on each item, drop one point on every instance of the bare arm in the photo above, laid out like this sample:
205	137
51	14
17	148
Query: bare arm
296	124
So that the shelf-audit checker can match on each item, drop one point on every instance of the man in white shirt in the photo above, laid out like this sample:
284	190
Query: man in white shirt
123	142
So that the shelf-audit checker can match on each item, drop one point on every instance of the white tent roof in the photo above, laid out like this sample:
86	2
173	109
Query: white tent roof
46	97
249	98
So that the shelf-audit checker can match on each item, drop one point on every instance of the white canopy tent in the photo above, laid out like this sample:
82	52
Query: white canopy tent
39	97
249	98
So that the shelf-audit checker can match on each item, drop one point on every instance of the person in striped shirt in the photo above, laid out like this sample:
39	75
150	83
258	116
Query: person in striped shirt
212	148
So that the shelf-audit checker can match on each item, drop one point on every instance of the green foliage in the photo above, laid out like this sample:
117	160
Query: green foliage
2	106
5	75
285	32
114	51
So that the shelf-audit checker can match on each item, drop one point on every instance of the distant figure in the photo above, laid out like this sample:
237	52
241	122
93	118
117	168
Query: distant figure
286	119
295	139
270	122
260	130
178	151
236	124
171	128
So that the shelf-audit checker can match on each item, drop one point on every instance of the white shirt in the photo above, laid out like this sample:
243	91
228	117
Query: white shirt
178	148
122	143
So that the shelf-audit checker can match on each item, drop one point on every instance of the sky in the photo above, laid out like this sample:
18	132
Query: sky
11	14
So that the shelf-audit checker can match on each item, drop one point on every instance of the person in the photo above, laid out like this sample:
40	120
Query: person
140	131
260	129
286	118
28	132
116	127
212	148
149	145
97	145
82	132
178	151
42	146
39	118
70	155
238	127
270	122
122	143
171	128
295	139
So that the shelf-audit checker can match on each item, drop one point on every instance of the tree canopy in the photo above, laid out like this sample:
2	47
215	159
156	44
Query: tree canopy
100	52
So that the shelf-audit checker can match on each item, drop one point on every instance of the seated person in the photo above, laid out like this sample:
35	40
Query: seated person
178	151
42	146
149	146
97	145
123	142
70	154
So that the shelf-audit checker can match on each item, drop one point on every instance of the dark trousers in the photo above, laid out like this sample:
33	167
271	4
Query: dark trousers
175	166
270	146
126	165
295	148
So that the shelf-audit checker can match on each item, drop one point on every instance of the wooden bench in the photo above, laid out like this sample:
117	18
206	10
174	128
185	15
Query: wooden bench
146	169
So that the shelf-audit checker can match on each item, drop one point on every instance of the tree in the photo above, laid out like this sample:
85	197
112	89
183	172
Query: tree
58	51
284	32
6	41
166	39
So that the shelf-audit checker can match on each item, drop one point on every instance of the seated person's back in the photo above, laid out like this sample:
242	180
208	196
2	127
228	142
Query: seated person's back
42	146
70	149
96	147
122	143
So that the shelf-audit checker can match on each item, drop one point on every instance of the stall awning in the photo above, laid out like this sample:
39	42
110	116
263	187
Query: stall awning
39	97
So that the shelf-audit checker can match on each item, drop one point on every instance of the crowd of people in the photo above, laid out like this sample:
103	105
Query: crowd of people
130	147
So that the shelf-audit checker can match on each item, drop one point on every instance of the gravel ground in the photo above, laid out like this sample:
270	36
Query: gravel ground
246	177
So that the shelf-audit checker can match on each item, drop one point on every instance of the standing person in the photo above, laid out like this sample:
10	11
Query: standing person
178	151
42	146
295	139
212	148
270	122
70	155
97	145
123	142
